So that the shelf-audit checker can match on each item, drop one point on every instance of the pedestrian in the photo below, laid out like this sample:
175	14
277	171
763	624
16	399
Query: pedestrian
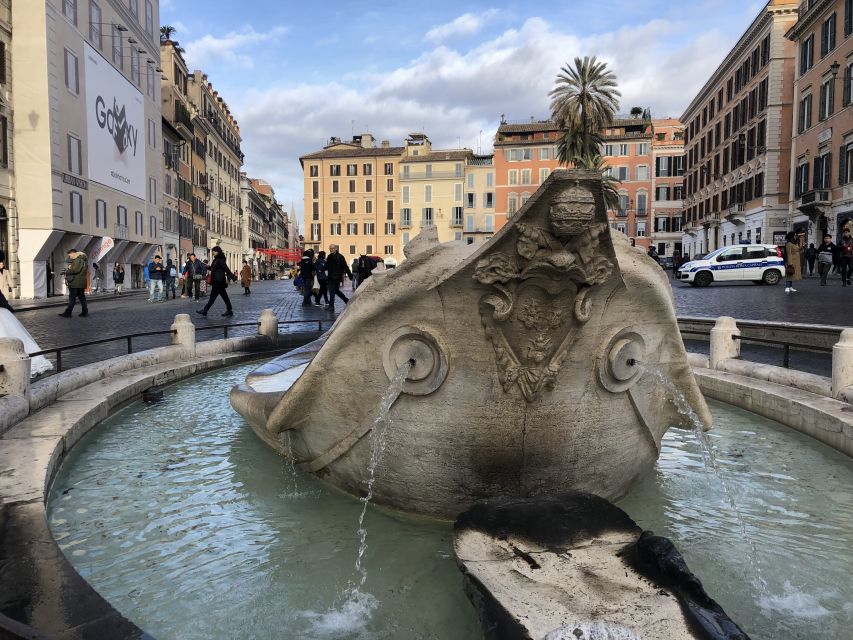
156	273
193	273
322	279
5	286
845	257
118	278
306	272
793	270
825	257
204	286
336	268
97	278
75	280
365	268
169	275
653	254
246	278
811	256
355	277
218	276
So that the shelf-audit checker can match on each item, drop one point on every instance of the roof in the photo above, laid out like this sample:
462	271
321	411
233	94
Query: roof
441	156
528	127
482	161
353	152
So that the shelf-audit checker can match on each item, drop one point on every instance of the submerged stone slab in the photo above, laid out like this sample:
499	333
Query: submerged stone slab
535	355
573	566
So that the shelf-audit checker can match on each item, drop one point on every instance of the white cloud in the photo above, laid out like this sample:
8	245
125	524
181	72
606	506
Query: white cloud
465	25
233	49
452	95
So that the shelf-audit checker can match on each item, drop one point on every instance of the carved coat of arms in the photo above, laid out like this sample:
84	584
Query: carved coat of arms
538	298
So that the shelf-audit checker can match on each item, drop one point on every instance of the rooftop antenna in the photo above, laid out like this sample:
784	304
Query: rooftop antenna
480	143
352	127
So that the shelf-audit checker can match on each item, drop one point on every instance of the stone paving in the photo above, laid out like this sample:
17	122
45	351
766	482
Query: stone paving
118	316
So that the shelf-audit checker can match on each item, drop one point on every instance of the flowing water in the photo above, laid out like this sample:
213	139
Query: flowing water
193	528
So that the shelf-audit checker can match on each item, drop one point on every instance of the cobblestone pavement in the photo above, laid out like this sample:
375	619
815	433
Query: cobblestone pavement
119	316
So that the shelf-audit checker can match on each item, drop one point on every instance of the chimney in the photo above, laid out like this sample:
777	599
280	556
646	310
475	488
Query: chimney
386	144
366	141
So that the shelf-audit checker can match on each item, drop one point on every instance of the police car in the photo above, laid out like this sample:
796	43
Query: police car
759	263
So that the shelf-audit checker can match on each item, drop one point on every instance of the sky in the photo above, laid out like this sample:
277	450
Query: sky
295	74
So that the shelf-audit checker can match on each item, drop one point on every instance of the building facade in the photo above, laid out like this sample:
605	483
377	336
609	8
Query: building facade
351	198
738	140
85	72
667	186
822	149
8	214
479	205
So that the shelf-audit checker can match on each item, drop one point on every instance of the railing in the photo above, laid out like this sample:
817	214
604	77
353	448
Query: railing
816	195
121	232
434	175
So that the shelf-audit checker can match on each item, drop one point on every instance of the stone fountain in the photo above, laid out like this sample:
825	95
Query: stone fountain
529	358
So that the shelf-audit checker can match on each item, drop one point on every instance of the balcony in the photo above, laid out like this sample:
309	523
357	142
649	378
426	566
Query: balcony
711	219
432	175
813	202
642	212
405	223
736	214
120	232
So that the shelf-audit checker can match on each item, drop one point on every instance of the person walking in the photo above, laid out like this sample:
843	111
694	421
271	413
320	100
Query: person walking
219	276
845	257
365	268
97	278
118	278
156	272
793	271
825	256
322	279
336	267
306	271
246	278
193	273
5	286
75	280
811	256
169	275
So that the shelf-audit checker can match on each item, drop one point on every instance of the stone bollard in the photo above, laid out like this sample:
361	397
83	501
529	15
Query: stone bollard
269	325
723	347
15	376
842	363
185	336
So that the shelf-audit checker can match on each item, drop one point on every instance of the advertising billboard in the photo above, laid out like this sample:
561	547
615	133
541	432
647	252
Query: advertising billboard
115	117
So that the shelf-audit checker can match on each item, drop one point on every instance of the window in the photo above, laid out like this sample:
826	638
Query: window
822	171
805	115
405	238
806	54
490	179
489	222
100	214
75	158
518	155
149	18
458	170
352	169
512	203
470	180
133	5
76	207
389	169
827	99
69	10
470	200
827	36
662	192
390	230
662	169
543	175
72	79
389	209
406	194
369	228
488	200
335	229
152	226
121	216
367	170
622	173
152	134
405	217
801	182
314	171
641	229
845	164
642	172
117	58
456	220
427	193
138	222
389	184
352	248
642	204
95	20
545	153
426	215
525	176
457	192
352	228
352	186
513	176
315	231
152	190
428	171
643	148
406	169
335	170
149	71
315	189
847	86
848	17
352	206
336	207
469	223
336	186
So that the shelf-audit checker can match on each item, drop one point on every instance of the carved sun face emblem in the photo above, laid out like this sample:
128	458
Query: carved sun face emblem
571	212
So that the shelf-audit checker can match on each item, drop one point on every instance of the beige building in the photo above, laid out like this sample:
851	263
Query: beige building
822	149
223	161
476	222
8	231
667	173
738	139
85	75
352	197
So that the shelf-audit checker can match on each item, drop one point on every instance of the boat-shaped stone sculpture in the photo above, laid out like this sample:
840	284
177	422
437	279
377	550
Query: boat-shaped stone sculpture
533	365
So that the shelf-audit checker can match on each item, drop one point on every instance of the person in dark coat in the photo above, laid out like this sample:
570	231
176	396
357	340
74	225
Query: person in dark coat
219	275
306	270
336	267
365	268
75	279
194	271
322	279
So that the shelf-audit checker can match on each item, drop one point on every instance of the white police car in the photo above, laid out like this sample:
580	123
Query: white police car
759	263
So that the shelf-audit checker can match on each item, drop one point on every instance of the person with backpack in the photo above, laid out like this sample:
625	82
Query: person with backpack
193	273
845	257
322	279
825	257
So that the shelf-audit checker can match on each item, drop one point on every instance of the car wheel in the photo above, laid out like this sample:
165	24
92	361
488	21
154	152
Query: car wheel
772	277
703	279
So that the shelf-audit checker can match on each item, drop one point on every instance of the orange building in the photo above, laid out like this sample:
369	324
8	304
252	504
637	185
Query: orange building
526	153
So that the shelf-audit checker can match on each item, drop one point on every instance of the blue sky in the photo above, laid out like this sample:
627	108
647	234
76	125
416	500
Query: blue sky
296	73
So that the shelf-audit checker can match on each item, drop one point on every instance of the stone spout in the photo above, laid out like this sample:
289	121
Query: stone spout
531	357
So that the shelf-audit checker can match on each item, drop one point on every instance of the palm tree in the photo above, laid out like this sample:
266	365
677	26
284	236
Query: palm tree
583	102
167	31
608	182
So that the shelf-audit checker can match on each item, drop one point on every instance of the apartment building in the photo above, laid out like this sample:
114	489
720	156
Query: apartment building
352	198
85	75
738	139
255	220
479	203
179	136
8	232
667	186
526	153
223	160
822	148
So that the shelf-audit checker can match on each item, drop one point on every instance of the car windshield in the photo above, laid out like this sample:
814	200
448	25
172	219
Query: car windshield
710	255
